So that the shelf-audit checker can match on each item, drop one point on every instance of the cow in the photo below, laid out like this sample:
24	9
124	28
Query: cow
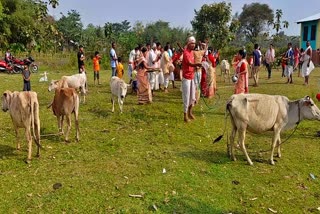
259	113
65	102
24	111
225	70
76	81
118	90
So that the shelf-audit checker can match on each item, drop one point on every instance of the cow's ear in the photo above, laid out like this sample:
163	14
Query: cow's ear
307	103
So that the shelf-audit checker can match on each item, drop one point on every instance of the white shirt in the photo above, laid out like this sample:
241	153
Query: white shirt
152	57
270	55
132	55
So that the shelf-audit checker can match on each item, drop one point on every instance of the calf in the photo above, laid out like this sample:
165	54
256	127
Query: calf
24	111
65	102
225	69
259	113
118	90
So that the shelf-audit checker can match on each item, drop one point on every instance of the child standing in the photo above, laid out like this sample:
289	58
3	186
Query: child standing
96	67
120	70
26	74
134	81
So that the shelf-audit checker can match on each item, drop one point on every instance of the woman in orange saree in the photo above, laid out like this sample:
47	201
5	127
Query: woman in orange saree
144	90
241	85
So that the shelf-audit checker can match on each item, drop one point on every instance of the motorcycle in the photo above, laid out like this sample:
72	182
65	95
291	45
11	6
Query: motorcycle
6	67
18	64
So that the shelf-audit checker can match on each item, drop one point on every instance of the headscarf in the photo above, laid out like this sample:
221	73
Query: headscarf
190	40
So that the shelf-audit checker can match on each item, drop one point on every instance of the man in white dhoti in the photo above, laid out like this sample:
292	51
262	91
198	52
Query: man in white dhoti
307	65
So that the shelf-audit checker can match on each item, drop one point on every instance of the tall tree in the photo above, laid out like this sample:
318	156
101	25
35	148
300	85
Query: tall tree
278	24
254	20
70	26
113	30
212	21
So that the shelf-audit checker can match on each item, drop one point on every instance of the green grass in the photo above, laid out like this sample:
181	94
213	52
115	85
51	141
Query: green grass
123	154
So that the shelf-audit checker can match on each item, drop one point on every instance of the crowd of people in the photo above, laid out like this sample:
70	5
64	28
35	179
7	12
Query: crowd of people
151	68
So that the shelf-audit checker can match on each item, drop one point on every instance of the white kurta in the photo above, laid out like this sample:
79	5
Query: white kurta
305	70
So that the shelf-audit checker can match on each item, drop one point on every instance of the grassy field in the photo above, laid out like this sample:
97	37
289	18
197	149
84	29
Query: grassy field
126	154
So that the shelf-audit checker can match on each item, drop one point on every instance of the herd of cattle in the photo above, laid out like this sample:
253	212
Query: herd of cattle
24	106
256	113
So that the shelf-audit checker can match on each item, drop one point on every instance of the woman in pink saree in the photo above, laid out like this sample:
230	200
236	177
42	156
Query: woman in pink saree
144	89
241	85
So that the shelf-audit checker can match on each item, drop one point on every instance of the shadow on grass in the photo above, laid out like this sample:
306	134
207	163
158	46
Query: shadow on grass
193	205
209	156
100	112
6	151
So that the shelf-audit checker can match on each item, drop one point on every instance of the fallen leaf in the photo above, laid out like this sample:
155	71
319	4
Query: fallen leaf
135	196
272	210
154	207
57	186
235	182
253	199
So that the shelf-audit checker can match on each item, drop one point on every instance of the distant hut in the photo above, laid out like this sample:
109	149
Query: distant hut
310	30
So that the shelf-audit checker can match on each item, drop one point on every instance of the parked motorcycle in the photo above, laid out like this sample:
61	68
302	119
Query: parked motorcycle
5	67
19	64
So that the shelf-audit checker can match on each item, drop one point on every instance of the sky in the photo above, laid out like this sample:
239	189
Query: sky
179	13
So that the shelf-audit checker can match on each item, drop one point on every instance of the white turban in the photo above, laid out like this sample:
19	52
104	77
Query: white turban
154	45
191	39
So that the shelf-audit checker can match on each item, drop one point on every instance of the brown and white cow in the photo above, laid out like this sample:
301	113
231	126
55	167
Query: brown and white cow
259	113
24	111
76	81
65	102
118	91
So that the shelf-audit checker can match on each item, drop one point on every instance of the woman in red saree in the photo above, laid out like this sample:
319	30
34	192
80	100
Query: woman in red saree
241	85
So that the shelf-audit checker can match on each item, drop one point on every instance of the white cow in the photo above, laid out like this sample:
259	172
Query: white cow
225	69
24	111
76	81
259	113
118	90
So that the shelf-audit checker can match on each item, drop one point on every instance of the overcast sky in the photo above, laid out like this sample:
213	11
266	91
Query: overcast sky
178	12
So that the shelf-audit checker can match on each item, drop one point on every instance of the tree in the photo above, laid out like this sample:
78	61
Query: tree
213	22
278	24
54	3
113	30
254	20
70	26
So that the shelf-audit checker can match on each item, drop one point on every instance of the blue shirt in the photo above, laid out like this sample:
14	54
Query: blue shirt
290	57
170	53
256	58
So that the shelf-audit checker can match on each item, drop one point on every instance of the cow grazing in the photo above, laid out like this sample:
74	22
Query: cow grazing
118	90
225	69
65	102
259	113
24	111
76	81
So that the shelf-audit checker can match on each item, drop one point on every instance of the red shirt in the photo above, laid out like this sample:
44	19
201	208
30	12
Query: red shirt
187	71
175	57
212	60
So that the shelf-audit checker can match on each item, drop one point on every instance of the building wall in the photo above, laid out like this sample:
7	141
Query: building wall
318	36
314	43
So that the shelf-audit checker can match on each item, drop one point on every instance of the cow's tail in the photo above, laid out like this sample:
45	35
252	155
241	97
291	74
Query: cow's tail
225	121
35	113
